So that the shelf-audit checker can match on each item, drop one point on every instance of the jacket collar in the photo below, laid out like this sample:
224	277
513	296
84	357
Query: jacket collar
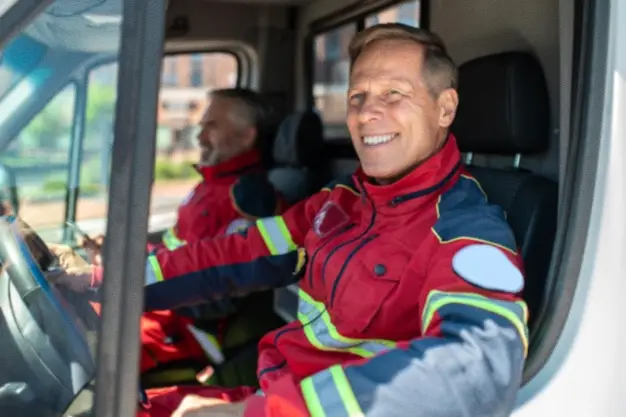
420	186
234	167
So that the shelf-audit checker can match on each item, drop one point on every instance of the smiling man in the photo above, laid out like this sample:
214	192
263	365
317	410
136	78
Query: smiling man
409	279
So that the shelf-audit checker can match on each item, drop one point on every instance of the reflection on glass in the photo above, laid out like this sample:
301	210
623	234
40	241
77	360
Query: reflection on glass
330	78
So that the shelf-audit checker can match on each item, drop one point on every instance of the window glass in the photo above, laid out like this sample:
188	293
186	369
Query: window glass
95	163
42	136
407	13
330	78
39	159
185	81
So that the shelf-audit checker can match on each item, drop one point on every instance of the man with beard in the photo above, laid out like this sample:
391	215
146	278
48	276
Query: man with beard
233	193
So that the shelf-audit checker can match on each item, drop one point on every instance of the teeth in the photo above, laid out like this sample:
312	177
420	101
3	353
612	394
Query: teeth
377	140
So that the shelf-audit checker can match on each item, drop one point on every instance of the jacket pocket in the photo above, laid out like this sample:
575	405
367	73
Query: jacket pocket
364	293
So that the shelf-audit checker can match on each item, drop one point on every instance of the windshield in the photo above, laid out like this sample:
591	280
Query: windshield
47	345
65	58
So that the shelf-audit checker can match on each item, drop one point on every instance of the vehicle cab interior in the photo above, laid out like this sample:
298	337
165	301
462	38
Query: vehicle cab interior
521	67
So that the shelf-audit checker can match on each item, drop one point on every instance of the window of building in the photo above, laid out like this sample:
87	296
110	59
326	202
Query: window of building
331	64
169	74
196	70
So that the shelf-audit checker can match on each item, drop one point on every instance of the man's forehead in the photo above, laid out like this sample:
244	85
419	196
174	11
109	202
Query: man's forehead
399	60
388	75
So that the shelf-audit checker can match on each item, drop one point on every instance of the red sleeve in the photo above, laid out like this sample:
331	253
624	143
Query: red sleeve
265	256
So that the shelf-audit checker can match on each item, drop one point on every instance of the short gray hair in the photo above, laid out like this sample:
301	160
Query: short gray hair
248	109
439	71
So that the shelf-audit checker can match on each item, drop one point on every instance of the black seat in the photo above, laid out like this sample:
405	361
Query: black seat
297	155
504	110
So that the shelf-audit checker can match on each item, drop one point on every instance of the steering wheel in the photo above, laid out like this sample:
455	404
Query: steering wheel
46	355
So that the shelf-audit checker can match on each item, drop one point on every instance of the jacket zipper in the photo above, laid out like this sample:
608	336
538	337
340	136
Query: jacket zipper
323	245
329	239
360	245
310	272
345	264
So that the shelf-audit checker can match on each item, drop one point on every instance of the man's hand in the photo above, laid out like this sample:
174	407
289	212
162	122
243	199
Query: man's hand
76	279
195	406
68	258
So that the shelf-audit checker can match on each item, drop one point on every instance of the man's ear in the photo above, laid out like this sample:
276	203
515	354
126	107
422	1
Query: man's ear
448	102
249	137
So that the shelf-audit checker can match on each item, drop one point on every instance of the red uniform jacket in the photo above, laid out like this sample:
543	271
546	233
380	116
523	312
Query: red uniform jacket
409	297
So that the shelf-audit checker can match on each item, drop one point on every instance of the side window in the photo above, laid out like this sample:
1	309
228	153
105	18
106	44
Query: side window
95	162
406	12
330	78
39	157
186	80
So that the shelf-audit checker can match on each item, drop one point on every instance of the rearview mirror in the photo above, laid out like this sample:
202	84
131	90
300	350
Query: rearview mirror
9	199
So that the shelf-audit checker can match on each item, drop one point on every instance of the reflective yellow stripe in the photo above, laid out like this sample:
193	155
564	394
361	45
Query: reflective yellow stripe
156	268
171	241
276	235
322	333
515	312
328	393
313	402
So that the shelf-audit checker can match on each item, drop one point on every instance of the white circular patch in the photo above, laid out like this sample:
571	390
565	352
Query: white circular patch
238	226
487	267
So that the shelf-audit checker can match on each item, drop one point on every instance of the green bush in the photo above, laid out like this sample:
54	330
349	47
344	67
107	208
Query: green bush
55	187
52	185
166	170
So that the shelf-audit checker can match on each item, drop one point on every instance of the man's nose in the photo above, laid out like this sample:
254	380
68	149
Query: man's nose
372	110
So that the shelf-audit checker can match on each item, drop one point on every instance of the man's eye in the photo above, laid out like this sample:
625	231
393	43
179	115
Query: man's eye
356	98
394	93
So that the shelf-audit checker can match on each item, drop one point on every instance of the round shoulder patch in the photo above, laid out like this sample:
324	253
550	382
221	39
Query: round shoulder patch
238	226
487	267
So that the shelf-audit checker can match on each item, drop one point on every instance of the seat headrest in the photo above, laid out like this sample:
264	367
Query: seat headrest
503	105
300	140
